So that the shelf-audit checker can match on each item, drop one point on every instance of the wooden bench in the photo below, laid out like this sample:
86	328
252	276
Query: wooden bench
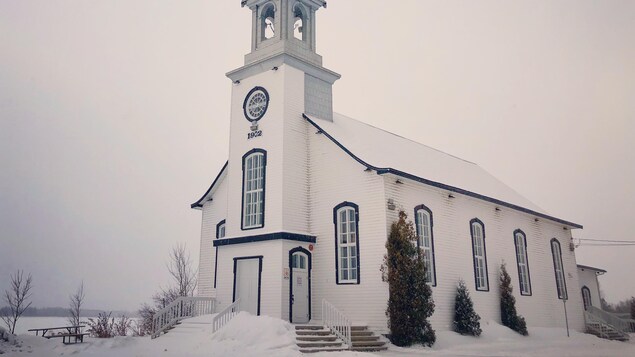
73	334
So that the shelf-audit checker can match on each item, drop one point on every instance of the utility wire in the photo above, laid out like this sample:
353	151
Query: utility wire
607	241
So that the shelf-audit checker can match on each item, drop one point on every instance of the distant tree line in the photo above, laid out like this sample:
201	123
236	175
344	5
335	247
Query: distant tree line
622	307
62	312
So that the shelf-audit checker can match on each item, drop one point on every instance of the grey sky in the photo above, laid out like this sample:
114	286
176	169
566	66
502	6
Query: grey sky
114	117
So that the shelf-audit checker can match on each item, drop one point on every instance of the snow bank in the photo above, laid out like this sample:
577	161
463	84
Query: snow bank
260	334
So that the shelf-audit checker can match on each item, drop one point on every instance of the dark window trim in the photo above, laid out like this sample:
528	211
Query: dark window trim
264	189
266	237
245	103
310	266
388	170
216	259
555	273
337	272
590	298
434	265
531	290
472	221
259	257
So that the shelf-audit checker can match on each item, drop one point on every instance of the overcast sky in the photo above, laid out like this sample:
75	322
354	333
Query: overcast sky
114	117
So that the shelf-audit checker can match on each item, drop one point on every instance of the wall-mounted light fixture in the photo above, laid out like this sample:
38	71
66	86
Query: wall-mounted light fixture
237	81
274	68
391	204
497	209
450	196
399	182
536	220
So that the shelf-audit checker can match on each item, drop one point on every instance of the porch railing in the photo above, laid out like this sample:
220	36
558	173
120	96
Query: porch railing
337	322
223	317
182	307
618	324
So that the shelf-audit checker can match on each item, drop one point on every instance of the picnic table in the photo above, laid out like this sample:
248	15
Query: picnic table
66	332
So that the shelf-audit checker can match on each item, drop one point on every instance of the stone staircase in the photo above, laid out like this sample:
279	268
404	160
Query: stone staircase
317	338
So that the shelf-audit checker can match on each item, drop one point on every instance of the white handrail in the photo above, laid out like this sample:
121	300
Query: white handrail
609	319
337	322
223	317
182	307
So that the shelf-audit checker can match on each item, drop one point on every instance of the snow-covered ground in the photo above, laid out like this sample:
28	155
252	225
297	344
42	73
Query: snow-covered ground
248	335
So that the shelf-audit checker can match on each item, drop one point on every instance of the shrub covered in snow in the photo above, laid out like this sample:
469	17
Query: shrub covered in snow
509	316
410	301
466	320
633	308
103	326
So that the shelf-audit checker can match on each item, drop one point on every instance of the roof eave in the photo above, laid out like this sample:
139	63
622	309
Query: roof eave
199	204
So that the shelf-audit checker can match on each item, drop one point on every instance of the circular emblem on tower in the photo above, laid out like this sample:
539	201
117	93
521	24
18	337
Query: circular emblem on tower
256	104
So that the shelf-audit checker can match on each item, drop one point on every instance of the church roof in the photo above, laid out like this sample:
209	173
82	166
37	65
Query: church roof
388	153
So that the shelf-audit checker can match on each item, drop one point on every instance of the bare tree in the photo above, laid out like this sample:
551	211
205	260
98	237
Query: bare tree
144	323
122	325
16	297
75	305
180	268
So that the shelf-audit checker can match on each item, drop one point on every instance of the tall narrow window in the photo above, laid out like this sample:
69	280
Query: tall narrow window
477	229
298	24
586	297
254	164
522	261
267	17
220	233
425	241
561	284
346	218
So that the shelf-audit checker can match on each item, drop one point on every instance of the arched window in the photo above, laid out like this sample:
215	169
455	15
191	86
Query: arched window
522	262
220	233
586	297
346	219
425	241
253	211
558	268
477	229
268	20
298	22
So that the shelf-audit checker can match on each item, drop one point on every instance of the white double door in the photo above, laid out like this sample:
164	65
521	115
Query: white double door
247	287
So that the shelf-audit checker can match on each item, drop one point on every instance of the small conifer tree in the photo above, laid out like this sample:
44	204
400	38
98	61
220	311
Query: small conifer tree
466	320
509	316
410	301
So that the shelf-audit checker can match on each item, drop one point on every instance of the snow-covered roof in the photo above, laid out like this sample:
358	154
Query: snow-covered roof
388	153
210	191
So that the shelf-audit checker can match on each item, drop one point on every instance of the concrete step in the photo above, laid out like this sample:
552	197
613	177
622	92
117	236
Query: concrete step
369	343
361	333
325	349
309	327
313	332
359	328
364	338
319	344
317	338
369	349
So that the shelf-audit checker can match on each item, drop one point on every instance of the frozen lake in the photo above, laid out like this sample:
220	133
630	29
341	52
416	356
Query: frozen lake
29	322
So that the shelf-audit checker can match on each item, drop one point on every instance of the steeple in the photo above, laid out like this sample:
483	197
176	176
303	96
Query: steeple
283	26
283	33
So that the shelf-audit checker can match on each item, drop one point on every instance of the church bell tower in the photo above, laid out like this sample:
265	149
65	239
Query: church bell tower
281	79
283	32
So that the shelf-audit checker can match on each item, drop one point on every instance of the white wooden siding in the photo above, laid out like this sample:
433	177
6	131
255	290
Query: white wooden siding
336	178
453	255
212	213
589	279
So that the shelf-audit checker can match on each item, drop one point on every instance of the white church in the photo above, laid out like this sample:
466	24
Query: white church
301	211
